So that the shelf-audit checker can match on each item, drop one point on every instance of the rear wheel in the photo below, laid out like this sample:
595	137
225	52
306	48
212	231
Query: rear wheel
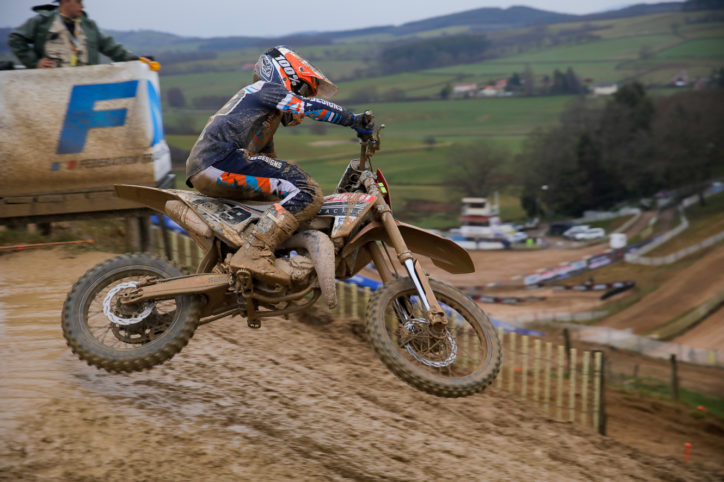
463	360
124	338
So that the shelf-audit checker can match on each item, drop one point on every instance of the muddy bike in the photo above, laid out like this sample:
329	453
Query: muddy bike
136	311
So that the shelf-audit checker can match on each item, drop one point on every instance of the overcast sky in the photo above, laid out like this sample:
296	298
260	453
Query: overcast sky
271	18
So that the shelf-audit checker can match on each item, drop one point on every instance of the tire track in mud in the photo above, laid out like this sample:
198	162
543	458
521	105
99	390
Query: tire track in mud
315	403
296	401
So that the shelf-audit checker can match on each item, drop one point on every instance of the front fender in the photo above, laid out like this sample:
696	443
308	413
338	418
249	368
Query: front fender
444	253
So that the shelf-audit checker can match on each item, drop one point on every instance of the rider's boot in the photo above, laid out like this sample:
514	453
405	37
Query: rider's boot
274	227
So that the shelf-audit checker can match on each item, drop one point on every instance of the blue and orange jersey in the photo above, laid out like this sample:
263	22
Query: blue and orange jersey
250	118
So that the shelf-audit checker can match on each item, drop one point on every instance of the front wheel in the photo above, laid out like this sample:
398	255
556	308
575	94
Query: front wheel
461	361
121	337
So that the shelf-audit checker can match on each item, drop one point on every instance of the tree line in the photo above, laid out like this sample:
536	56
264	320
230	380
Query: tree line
630	147
603	154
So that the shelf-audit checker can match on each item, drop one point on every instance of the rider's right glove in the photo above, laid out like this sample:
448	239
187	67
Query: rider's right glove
364	124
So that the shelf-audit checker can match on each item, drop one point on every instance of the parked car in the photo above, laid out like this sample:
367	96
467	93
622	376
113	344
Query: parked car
588	234
572	231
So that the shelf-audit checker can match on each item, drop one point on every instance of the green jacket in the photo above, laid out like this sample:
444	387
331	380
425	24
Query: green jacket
28	40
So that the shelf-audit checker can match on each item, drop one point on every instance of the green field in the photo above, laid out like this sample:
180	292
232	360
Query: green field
702	48
423	131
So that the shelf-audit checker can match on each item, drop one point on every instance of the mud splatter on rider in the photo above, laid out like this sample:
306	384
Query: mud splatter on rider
234	156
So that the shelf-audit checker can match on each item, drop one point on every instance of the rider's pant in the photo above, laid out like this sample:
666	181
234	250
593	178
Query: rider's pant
260	178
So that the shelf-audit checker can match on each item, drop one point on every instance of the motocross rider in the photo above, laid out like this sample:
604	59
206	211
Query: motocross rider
234	157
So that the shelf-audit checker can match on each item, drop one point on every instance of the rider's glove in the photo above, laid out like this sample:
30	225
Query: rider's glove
364	125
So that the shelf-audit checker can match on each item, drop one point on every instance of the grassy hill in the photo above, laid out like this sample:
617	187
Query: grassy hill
650	48
649	43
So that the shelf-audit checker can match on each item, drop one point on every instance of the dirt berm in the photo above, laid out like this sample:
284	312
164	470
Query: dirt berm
291	401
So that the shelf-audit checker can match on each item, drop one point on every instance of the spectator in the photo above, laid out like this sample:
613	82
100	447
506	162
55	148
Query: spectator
63	36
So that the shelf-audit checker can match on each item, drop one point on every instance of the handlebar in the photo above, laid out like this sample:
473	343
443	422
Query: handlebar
370	146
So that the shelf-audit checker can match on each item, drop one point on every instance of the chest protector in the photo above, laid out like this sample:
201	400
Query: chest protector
63	47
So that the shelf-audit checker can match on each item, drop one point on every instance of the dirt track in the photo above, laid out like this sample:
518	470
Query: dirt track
708	334
691	287
290	401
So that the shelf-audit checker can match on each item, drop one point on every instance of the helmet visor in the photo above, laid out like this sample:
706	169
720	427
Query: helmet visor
306	73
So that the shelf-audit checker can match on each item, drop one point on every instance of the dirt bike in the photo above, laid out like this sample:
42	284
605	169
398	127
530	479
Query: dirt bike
136	311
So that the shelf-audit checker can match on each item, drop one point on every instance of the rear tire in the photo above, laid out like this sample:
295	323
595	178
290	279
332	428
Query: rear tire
118	338
462	362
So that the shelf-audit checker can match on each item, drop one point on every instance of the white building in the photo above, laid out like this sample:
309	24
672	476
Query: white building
605	89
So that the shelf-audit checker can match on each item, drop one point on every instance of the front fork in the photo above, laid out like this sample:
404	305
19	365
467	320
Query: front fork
433	313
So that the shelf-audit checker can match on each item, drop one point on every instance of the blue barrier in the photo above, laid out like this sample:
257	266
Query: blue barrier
169	223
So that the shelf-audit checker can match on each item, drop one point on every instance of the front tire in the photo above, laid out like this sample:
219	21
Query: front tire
461	362
120	338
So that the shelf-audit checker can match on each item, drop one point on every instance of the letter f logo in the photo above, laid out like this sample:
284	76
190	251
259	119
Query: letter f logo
81	116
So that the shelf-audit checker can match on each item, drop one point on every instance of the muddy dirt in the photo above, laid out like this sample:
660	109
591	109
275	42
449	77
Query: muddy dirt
689	288
291	401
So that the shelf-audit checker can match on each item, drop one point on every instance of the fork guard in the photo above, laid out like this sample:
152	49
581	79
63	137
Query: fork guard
444	253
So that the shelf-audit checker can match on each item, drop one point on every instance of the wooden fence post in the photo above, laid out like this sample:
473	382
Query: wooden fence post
511	370
524	368
183	251
340	297
173	236
567	341
166	239
599	412
559	397
572	394
354	309
536	371
501	336
674	378
584	387
158	242
547	377
144	223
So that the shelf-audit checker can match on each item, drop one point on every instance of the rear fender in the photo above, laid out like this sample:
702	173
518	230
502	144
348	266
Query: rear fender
225	218
444	253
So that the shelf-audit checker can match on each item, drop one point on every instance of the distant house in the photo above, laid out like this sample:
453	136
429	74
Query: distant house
490	91
495	90
605	89
681	79
465	90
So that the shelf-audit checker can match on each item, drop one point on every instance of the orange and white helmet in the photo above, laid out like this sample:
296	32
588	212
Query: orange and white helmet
284	66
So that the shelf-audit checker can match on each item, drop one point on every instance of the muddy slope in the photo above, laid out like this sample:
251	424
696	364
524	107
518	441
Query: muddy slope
291	401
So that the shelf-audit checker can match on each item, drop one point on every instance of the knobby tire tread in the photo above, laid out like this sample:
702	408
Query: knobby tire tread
77	341
389	353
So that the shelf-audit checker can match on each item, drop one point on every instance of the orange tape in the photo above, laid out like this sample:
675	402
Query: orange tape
20	247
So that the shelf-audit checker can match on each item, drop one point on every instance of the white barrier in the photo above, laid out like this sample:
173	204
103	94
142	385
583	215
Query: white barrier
78	129
626	340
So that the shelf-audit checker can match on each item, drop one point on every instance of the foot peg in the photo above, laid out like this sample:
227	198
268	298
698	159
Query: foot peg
244	288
